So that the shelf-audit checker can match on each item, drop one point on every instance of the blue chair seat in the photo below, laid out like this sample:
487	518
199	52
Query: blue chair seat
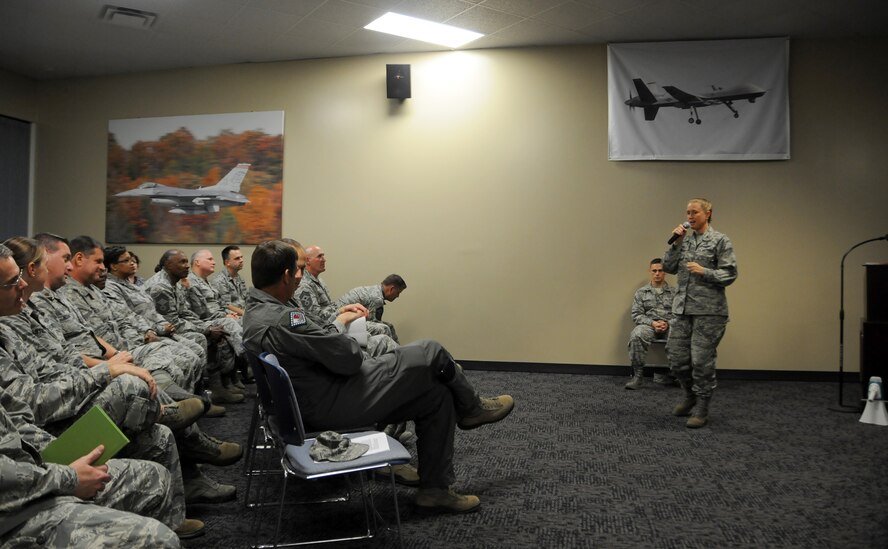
306	468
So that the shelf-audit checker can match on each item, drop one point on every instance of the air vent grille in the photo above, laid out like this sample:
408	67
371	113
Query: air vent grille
128	17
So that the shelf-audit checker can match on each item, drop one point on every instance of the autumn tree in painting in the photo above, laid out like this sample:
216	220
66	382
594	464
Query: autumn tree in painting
178	159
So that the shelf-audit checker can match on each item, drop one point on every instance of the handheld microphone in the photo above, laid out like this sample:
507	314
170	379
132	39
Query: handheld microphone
674	236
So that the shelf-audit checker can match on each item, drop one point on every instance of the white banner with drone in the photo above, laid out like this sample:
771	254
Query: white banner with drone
700	100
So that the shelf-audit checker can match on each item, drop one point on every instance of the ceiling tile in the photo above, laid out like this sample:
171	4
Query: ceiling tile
484	20
572	15
522	8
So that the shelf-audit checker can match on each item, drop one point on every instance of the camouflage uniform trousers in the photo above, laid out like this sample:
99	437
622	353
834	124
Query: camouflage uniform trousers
378	328
169	363
157	444
379	345
639	342
117	517
391	327
127	402
195	342
692	350
230	347
234	331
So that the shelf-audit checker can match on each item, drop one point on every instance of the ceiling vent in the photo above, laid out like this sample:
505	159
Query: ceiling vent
128	17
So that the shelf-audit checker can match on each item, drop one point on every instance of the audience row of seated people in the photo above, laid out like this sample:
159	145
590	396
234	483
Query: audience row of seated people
75	332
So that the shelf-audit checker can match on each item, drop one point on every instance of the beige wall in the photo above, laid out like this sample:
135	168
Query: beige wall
490	191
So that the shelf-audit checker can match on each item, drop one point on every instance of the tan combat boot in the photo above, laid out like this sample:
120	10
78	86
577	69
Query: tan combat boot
445	500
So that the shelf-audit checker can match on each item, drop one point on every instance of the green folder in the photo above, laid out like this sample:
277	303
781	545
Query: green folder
92	429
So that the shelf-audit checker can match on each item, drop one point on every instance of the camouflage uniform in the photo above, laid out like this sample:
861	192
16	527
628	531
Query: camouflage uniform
232	290
314	298
648	305
170	301
137	300
337	386
64	319
167	361
372	298
47	344
700	307
203	300
38	508
59	393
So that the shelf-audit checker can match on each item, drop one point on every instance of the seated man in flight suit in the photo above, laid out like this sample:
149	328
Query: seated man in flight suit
336	386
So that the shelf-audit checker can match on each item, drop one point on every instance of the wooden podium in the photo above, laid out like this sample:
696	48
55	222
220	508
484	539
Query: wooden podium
874	327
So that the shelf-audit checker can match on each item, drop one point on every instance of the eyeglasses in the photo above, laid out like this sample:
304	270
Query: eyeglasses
14	284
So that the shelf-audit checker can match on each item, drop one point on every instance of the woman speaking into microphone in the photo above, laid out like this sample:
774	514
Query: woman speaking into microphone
703	260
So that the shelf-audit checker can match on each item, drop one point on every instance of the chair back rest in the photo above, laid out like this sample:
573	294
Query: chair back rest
288	419
263	391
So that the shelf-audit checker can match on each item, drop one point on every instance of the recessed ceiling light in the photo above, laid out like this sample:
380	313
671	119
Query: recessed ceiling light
420	29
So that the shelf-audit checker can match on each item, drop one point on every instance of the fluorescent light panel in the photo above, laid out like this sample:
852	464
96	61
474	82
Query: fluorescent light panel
425	31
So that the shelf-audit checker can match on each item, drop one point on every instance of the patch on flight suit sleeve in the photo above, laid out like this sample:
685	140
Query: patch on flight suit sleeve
306	300
296	319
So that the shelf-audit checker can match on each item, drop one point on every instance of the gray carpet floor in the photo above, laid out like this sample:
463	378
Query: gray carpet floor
581	462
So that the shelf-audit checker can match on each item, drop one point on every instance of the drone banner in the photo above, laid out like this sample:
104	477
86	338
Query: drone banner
199	179
701	100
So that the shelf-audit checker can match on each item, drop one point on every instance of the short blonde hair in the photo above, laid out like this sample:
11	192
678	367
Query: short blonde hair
705	204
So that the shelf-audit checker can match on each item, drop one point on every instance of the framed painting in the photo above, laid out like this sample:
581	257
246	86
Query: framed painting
202	179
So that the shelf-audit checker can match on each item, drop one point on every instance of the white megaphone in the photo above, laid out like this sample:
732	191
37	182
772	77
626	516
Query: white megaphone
874	412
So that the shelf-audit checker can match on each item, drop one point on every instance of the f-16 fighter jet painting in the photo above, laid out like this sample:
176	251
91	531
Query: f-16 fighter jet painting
203	200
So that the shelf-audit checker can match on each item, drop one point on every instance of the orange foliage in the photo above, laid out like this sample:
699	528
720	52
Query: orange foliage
179	160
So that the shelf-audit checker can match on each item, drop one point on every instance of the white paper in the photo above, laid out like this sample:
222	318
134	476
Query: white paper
357	330
378	442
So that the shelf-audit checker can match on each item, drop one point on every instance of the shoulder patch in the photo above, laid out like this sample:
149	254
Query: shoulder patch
305	298
296	319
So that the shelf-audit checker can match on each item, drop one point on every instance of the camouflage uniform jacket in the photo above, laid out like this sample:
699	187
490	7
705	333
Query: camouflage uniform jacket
232	290
103	318
368	296
27	485
170	301
47	344
58	314
650	305
314	298
137	300
53	391
203	299
702	294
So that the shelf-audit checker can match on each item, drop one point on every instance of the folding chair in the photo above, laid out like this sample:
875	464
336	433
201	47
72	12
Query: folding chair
258	438
288	432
